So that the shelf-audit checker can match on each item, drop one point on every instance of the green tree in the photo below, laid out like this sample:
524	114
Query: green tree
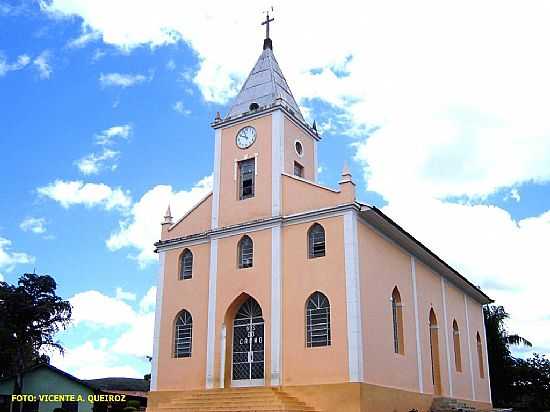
532	383
501	363
31	314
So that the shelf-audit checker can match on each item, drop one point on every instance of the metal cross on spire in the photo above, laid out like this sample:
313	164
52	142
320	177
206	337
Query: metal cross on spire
267	40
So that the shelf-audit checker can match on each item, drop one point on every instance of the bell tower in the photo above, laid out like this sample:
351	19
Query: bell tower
263	136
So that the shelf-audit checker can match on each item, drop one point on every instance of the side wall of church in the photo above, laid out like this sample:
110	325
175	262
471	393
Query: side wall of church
384	265
191	295
302	277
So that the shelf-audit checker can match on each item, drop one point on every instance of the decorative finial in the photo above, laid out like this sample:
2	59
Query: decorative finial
346	174
268	44
218	117
314	126
168	215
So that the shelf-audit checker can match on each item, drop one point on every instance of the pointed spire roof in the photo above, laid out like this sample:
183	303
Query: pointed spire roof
265	85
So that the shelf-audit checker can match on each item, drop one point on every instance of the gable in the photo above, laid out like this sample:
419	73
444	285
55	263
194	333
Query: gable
197	220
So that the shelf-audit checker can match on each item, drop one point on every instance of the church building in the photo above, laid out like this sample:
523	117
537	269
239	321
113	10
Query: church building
279	293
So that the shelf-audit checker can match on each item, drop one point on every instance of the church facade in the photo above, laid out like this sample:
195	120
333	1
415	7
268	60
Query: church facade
276	281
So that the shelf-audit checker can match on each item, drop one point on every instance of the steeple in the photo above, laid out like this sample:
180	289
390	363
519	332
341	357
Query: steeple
265	85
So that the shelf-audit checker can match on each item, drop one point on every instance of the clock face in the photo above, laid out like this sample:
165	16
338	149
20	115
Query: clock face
246	137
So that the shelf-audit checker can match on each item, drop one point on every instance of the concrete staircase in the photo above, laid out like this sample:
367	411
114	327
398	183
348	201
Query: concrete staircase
454	405
235	400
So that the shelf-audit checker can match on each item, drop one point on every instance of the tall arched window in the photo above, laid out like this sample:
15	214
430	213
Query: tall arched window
456	341
183	335
316	241
434	353
246	252
480	356
186	264
317	320
397	322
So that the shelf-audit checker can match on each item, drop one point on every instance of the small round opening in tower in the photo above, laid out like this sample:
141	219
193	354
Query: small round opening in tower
299	148
254	106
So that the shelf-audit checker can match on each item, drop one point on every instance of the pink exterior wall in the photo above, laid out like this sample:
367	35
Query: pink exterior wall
301	196
301	277
430	296
232	210
475	318
462	387
383	266
307	160
190	294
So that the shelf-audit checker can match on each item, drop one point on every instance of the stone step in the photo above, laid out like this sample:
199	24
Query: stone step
236	400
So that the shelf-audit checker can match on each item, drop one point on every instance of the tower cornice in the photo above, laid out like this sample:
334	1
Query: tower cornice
254	114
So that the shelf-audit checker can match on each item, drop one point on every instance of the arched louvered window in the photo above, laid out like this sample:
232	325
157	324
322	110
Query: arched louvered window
316	241
317	320
480	356
456	342
186	264
183	335
246	252
397	322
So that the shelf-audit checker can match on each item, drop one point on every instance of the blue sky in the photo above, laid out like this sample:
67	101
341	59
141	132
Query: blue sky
105	119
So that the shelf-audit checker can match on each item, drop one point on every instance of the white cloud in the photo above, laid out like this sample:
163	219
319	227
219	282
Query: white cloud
42	64
123	80
93	163
138	340
124	295
514	194
129	331
76	192
95	308
1	277
148	302
171	65
82	40
180	108
447	161
108	136
22	61
9	259
141	229
92	360
34	225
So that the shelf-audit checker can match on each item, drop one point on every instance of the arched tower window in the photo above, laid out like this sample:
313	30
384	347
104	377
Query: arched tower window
480	356
456	341
317	320
397	322
316	241
186	264
183	335
246	252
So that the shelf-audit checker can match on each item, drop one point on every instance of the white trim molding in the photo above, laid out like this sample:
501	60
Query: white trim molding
158	316
446	331
353	298
469	348
222	355
276	306
277	159
216	178
211	342
417	327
